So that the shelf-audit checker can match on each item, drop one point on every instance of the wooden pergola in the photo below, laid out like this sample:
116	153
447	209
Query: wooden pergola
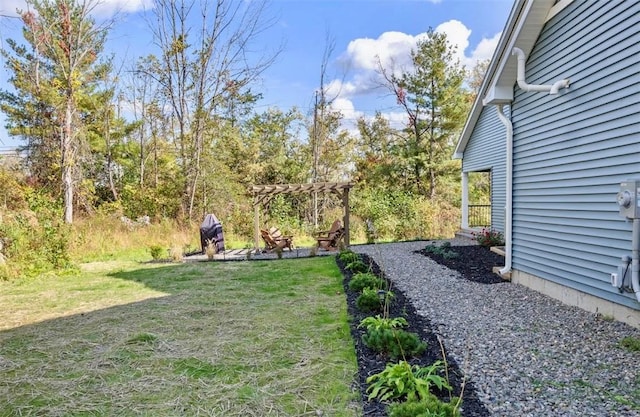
262	195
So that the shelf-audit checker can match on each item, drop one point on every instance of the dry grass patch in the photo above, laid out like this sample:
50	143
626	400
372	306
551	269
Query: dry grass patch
224	339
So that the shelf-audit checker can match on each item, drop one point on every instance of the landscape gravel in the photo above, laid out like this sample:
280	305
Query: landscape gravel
526	354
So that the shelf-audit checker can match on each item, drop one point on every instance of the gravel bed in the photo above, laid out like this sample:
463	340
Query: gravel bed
527	354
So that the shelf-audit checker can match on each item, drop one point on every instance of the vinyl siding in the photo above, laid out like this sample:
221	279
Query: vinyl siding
571	151
486	151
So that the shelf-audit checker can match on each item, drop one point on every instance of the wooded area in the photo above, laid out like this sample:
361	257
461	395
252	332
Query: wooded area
177	135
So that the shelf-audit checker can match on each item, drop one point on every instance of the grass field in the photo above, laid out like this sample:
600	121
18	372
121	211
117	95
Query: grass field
259	338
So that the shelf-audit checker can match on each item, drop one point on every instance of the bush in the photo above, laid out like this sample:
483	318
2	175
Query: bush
357	266
348	256
429	407
364	280
489	237
156	252
395	343
370	300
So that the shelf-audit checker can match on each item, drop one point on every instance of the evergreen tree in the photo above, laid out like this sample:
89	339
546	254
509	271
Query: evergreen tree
432	96
54	79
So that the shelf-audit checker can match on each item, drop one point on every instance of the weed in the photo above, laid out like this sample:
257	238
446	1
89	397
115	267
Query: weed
632	344
142	338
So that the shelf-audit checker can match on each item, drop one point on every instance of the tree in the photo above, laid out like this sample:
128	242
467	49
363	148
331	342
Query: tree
205	73
54	80
431	95
376	159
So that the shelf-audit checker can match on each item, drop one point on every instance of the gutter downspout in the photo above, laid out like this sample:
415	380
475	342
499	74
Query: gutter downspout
552	89
635	258
509	190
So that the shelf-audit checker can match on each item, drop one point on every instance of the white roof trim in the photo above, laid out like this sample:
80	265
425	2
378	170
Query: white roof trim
522	29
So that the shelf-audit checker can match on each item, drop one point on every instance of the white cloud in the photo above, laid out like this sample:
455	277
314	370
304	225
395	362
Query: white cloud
457	35
484	50
110	7
393	51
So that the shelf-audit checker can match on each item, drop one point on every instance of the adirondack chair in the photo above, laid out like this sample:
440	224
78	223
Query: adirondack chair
277	235
328	240
274	243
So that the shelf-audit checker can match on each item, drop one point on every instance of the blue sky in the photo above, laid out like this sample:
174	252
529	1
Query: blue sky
360	29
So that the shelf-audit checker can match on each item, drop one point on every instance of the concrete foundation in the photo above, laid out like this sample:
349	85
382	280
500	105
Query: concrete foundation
577	298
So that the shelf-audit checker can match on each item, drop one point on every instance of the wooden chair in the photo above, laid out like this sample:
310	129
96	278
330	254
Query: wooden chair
329	240
272	243
277	235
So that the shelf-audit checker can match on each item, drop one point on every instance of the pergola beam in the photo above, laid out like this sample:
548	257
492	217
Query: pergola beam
264	193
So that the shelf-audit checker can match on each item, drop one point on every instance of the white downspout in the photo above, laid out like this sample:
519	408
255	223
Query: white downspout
635	258
552	89
509	190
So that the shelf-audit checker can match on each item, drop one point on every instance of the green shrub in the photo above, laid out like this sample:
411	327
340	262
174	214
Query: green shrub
348	256
395	343
403	381
429	407
364	280
357	266
156	252
372	299
443	250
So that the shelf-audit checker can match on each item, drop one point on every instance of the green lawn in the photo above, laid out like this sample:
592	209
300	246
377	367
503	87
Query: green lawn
259	338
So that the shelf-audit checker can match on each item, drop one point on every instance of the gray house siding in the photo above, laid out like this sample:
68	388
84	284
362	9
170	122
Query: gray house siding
486	151
571	151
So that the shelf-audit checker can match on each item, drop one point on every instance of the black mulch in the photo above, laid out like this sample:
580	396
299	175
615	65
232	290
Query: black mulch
369	362
474	263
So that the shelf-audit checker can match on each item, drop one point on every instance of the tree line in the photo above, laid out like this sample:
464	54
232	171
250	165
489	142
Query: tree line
177	133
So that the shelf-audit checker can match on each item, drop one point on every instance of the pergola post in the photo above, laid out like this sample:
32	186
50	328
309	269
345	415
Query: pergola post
256	226
262	194
345	203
